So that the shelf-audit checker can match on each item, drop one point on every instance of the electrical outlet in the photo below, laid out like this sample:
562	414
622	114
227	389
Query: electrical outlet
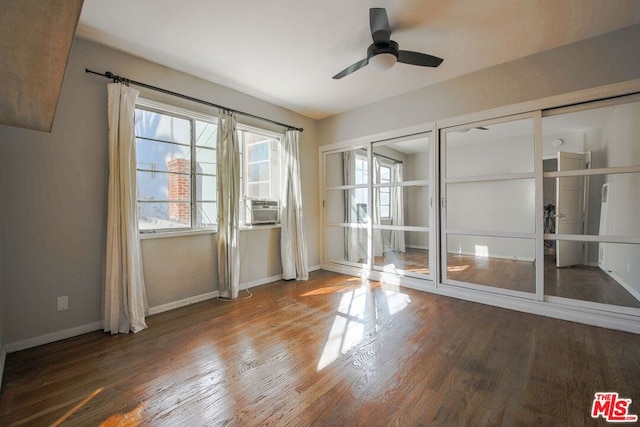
63	303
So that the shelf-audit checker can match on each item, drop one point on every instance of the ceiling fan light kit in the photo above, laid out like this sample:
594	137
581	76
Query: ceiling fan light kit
383	61
384	52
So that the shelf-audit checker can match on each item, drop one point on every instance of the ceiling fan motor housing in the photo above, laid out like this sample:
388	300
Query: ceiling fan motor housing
391	48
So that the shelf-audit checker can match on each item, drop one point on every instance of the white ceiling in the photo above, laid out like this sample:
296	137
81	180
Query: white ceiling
286	51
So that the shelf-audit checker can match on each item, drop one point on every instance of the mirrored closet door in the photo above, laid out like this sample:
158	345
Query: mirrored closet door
591	202
378	206
347	213
488	206
402	201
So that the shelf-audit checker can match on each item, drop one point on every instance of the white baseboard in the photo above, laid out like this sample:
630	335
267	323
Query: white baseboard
424	248
181	303
210	295
55	336
254	283
509	257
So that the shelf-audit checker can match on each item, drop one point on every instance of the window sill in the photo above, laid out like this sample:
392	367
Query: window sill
259	227
168	234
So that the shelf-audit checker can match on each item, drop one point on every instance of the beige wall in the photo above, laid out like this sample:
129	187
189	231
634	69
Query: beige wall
610	58
55	191
2	350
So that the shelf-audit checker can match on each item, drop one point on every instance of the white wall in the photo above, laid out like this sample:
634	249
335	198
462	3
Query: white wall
622	136
472	206
416	200
53	228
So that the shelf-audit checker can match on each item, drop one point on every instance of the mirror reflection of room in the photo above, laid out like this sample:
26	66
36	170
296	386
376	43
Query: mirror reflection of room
401	199
347	206
489	187
599	205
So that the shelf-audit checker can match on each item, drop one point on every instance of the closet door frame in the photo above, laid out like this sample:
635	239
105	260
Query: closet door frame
536	236
430	182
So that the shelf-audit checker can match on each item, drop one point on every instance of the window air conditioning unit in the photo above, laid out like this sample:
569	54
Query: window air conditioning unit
262	211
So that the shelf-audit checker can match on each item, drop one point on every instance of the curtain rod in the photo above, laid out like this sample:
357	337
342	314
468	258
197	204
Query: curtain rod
388	158
125	80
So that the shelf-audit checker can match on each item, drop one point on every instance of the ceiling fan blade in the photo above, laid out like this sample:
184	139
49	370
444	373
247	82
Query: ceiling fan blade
417	58
351	69
379	23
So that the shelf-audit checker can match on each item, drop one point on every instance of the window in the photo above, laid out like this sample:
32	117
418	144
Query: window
260	154
176	168
362	194
385	192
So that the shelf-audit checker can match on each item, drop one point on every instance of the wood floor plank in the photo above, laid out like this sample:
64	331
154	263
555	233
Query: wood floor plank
335	350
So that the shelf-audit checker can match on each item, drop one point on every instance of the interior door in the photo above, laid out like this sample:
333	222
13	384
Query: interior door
569	208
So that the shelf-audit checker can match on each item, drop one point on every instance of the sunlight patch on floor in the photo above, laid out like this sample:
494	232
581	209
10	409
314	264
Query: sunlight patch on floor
455	268
126	419
396	301
358	312
482	251
347	329
78	406
331	290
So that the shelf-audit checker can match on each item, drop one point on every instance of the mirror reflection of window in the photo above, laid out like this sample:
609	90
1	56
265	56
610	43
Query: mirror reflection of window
400	172
385	192
361	194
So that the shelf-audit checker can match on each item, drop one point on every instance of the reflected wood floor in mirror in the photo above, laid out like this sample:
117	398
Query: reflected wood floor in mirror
578	282
497	272
413	260
335	350
585	283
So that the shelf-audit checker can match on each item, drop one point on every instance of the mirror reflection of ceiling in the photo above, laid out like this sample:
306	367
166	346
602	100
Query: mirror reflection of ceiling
413	144
578	121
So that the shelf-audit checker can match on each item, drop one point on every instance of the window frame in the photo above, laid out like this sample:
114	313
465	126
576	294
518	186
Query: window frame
386	189
244	190
362	194
193	117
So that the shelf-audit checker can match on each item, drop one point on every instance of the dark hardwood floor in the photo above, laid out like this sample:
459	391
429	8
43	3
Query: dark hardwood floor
335	350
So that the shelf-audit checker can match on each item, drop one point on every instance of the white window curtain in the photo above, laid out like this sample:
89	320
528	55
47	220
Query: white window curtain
378	247
351	246
293	247
125	299
397	209
228	167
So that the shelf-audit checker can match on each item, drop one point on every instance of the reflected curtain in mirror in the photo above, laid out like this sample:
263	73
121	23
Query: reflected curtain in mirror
378	246
397	209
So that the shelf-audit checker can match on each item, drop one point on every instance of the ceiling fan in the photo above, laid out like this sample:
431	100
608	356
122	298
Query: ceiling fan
384	52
